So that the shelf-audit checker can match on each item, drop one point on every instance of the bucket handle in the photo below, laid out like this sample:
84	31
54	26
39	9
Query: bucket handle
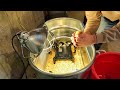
100	51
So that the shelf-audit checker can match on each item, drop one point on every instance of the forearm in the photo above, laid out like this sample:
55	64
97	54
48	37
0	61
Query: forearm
93	21
91	28
109	35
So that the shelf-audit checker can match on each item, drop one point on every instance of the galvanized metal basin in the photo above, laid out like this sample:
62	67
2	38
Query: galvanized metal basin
61	27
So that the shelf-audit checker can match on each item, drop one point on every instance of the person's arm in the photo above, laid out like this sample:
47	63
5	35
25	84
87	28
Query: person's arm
86	39
109	35
93	21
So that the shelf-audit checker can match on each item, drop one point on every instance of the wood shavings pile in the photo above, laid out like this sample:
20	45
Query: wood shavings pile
64	66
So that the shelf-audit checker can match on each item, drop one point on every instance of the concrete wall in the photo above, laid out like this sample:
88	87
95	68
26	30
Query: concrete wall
10	23
76	14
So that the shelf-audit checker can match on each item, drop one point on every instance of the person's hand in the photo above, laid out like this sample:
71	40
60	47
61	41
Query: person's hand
74	36
80	39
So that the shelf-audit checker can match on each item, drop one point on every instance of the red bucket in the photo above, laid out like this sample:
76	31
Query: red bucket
106	66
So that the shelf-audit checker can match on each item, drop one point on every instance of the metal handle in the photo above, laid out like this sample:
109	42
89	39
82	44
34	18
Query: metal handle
99	51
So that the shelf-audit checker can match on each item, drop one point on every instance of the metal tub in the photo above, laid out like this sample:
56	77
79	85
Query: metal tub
62	27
